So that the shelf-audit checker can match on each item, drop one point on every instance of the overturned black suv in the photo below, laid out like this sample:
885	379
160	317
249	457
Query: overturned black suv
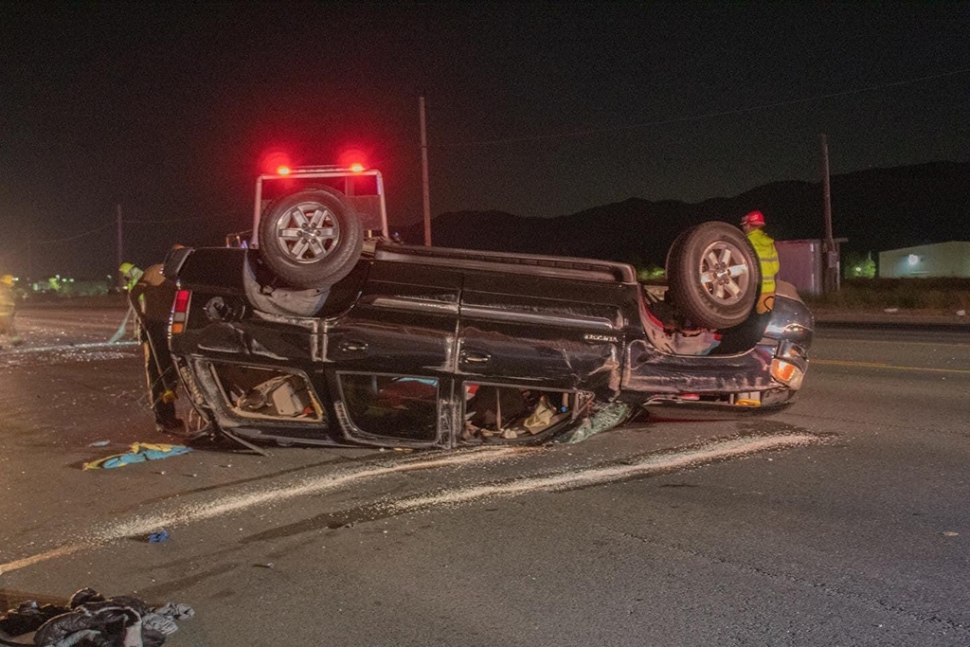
318	329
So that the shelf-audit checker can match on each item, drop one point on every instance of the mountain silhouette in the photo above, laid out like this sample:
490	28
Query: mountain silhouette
876	209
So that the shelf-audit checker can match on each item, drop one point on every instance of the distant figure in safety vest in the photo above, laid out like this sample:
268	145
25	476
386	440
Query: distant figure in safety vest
8	304
753	225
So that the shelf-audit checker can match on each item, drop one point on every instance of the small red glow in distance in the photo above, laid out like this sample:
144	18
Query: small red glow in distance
357	168
182	301
283	170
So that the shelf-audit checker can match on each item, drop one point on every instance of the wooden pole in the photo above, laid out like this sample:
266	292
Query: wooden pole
830	266
425	192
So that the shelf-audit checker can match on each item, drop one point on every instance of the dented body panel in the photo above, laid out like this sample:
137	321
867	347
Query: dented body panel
418	346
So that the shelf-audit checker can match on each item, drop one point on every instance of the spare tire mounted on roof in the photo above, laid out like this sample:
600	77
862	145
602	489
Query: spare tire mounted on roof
310	239
713	275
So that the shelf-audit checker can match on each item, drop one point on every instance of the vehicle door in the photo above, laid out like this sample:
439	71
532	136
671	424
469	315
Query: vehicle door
539	331
390	359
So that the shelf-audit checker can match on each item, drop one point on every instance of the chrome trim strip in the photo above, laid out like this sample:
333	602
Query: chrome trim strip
600	275
352	432
413	305
569	321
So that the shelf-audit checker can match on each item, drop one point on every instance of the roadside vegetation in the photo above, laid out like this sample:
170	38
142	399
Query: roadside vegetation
944	294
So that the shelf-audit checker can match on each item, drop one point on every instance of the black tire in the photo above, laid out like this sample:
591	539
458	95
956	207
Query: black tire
716	291
310	239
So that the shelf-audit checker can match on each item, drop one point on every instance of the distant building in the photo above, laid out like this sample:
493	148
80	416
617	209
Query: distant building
939	259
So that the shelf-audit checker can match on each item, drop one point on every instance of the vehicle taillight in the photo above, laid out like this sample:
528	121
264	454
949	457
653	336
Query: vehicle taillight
180	311
787	373
357	168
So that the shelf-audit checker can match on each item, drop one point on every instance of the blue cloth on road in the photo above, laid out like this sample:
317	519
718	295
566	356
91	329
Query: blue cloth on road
139	453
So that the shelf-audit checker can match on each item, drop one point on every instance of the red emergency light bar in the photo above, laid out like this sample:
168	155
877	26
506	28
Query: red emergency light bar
292	173
319	171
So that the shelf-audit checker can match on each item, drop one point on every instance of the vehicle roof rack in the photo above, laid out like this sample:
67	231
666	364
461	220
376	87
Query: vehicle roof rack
556	266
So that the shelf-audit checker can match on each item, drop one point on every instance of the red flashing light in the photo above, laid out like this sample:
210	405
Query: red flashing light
283	170
352	157
273	160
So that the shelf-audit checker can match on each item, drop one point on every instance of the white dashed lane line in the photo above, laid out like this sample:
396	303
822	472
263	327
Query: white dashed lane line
653	464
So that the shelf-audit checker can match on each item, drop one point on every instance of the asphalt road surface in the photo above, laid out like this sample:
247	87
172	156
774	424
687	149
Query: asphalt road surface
845	521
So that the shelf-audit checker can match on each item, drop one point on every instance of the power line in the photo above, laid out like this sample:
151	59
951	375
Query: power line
14	250
34	242
68	239
709	115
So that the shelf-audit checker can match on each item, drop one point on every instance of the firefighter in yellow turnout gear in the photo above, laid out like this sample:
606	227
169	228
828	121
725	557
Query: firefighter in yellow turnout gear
150	295
753	225
8	304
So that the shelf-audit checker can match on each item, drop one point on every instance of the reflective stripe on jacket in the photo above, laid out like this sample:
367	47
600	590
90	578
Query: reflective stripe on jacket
764	245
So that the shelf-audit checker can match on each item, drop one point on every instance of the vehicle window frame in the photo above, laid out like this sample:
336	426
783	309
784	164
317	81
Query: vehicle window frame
354	433
324	423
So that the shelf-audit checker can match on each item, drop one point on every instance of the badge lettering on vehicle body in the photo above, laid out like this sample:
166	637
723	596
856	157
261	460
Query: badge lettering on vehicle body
607	338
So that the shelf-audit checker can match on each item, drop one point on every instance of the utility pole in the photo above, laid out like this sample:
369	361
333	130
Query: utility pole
830	266
121	246
425	192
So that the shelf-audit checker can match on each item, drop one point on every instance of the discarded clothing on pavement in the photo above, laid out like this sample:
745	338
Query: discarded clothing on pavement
606	418
28	617
91	620
139	453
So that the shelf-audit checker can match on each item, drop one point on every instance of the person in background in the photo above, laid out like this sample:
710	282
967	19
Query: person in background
151	295
764	245
8	305
130	273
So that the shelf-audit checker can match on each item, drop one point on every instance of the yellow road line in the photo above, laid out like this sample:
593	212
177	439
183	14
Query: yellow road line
833	362
900	342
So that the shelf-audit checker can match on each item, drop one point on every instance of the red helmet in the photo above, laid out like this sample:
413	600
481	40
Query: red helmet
753	219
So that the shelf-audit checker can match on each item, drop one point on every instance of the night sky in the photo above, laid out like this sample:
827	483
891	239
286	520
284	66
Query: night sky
539	110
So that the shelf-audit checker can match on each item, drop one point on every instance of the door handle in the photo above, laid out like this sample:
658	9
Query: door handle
475	358
353	347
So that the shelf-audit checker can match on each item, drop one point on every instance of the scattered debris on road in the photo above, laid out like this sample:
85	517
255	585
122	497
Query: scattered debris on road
158	537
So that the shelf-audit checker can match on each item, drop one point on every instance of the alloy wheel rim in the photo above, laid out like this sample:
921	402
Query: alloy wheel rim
725	275
307	232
